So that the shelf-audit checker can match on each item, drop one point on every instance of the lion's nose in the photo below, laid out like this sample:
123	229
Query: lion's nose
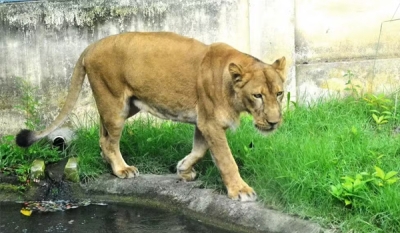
272	124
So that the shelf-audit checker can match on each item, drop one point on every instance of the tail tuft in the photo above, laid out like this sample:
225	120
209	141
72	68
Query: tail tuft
25	138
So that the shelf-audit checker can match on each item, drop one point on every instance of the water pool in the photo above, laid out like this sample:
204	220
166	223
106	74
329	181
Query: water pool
110	218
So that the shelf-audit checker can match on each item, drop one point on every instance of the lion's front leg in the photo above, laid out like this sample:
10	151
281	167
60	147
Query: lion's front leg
185	168
237	188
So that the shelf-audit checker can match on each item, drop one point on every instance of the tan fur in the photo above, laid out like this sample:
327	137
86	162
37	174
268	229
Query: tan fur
181	79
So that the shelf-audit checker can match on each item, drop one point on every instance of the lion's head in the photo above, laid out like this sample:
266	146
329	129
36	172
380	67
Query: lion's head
259	87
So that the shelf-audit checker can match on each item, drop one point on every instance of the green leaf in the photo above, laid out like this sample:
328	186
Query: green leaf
354	130
375	117
387	113
348	186
359	177
383	122
392	180
379	173
364	173
347	202
357	183
336	191
390	175
347	179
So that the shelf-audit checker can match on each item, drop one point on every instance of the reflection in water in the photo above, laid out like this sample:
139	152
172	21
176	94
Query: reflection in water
112	218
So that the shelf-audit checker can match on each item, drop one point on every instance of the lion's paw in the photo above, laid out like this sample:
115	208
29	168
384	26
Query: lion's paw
244	194
187	174
128	172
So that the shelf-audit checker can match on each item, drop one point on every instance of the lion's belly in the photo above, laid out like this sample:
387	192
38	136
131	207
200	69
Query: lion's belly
181	115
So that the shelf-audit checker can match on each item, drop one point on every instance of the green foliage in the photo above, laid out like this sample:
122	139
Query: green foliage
354	89
29	103
382	178
15	160
378	102
362	186
381	108
289	101
22	171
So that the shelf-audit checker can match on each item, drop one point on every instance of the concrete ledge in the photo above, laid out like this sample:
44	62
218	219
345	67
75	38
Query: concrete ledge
203	201
325	80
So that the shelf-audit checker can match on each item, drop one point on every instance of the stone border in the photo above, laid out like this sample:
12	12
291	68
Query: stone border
218	209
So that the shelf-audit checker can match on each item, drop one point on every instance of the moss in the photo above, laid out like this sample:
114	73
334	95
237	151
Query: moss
10	192
9	188
71	170
37	169
81	14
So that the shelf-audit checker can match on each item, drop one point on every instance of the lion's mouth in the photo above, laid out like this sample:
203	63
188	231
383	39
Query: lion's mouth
266	128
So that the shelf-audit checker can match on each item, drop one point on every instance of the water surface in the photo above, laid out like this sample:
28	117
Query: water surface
118	218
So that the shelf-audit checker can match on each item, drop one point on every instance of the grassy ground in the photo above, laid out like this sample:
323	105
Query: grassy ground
332	161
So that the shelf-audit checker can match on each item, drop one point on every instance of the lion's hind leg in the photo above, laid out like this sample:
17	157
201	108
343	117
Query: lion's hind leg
111	125
185	168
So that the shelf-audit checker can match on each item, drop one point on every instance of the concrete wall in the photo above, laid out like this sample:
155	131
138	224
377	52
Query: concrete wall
40	41
337	36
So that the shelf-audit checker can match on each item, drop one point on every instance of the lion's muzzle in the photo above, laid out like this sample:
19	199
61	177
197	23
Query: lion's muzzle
267	127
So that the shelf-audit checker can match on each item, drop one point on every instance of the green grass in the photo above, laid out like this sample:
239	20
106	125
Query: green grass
292	170
17	161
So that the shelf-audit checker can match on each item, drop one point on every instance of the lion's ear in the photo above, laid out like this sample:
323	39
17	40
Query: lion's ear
280	64
236	72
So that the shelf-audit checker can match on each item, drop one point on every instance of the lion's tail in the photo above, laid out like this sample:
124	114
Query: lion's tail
26	137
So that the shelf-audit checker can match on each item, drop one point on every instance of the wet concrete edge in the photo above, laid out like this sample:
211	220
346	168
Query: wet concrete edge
218	209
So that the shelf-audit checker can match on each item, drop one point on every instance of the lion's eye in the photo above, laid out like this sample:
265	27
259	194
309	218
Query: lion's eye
279	93
257	96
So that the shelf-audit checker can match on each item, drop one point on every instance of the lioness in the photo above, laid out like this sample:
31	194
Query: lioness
180	79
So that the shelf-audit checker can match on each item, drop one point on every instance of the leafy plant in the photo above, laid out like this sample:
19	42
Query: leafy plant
381	107
351	188
354	89
385	178
358	188
29	103
378	102
22	171
13	158
381	118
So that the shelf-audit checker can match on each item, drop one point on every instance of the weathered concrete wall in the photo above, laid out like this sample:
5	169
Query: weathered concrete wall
40	41
335	36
